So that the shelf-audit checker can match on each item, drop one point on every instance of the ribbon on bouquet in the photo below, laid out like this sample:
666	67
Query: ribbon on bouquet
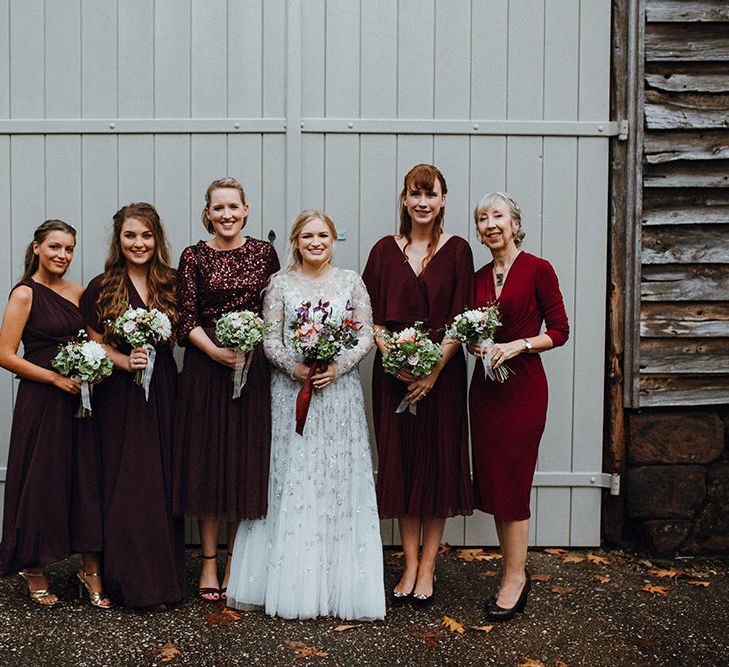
406	405
486	346
146	379
86	396
304	396
240	375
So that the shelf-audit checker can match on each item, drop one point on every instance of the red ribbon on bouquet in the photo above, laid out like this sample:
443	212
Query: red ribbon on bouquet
304	397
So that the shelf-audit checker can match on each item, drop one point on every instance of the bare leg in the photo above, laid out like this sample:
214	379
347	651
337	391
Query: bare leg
410	537
432	535
514	539
208	568
92	564
36	580
232	529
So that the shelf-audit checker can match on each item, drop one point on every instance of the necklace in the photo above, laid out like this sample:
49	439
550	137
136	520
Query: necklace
500	277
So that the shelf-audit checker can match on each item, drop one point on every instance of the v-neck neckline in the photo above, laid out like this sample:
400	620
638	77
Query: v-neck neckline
417	276
506	278
130	283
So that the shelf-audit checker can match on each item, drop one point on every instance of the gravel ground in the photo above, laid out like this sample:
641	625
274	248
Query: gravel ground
572	619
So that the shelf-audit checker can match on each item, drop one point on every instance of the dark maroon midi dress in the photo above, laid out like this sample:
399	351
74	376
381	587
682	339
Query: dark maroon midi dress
423	467
52	489
144	547
507	420
222	444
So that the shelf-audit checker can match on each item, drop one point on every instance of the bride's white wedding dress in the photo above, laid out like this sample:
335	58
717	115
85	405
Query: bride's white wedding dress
318	552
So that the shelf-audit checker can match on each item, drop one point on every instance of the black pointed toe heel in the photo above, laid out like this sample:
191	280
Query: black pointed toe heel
419	600
497	614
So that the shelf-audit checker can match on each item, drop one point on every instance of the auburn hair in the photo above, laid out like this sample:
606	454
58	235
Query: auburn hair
113	294
422	177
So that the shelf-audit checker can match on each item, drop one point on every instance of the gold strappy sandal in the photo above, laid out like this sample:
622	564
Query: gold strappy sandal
41	596
97	599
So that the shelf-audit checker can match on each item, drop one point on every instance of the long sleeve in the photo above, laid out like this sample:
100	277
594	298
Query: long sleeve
371	278
273	315
187	280
363	313
551	305
463	293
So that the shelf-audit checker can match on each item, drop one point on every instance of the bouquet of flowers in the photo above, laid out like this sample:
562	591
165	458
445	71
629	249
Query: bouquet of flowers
478	325
410	350
320	338
143	328
242	330
85	360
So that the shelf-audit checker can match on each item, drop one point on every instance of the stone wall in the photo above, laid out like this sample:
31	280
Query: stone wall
677	481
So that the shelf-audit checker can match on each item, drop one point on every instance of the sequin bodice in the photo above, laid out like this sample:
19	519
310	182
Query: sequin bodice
212	282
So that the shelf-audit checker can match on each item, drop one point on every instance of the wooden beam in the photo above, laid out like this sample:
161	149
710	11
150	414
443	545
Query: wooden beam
709	199
656	390
688	215
677	245
701	77
685	283
669	146
687	175
687	42
682	356
685	111
681	320
686	10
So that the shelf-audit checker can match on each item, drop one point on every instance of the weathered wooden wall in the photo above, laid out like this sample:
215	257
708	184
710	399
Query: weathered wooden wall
683	349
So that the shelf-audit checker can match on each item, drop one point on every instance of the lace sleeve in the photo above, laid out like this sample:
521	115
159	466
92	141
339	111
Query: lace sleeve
363	313
273	315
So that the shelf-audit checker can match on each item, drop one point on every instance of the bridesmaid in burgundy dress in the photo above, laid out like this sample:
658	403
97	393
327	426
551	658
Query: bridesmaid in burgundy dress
222	444
422	274
507	420
144	557
52	495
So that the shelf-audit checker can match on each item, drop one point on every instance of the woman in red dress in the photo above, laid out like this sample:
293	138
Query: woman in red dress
52	491
222	444
144	557
507	419
422	274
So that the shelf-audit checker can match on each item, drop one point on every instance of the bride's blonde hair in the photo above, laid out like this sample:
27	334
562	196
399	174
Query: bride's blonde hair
293	258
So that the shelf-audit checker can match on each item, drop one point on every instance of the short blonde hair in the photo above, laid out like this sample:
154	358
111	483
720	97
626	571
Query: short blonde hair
487	201
294	259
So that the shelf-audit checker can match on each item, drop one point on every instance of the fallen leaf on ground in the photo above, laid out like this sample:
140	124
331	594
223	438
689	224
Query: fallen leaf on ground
541	577
602	579
470	555
560	663
647	563
530	662
656	590
640	641
482	628
705	584
304	651
397	554
166	653
452	625
562	590
445	548
493	555
342	628
556	552
491	573
573	558
430	637
598	560
670	573
223	616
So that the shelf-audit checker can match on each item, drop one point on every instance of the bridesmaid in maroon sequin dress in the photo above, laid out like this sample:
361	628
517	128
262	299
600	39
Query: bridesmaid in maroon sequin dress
144	556
507	420
422	274
222	444
52	495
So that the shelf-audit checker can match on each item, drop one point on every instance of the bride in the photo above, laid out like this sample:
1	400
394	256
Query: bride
318	552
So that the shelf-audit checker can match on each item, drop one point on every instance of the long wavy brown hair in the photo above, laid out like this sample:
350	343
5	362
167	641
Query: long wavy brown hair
422	177
113	294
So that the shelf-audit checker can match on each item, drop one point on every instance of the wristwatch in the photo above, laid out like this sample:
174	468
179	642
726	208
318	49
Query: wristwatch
527	345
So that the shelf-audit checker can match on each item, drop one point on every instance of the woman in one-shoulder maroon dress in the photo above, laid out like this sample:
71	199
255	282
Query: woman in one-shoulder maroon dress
144	554
222	444
507	419
423	472
52	496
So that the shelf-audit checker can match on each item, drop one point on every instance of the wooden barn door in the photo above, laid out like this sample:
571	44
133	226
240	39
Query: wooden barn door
327	103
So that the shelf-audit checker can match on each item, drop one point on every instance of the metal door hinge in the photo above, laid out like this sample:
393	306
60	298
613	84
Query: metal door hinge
623	130
615	484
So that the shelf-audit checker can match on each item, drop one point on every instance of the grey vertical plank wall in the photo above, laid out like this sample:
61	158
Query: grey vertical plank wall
393	62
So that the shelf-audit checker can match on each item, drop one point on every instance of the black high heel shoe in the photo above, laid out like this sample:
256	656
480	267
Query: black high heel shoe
497	614
399	598
419	600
